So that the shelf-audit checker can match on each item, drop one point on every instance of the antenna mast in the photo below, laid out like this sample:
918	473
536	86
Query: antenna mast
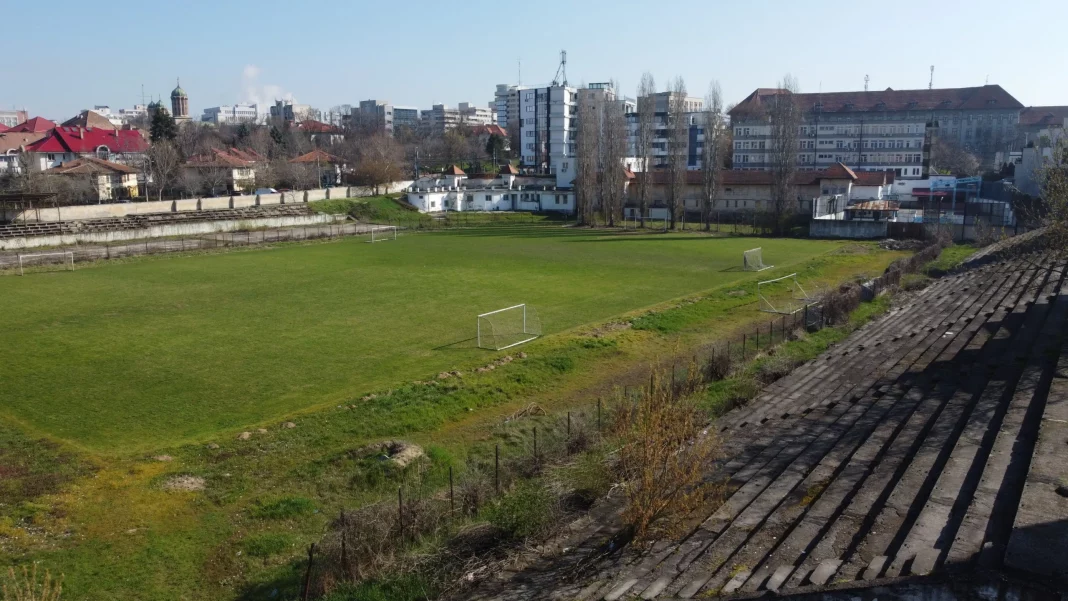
561	71
866	78
930	84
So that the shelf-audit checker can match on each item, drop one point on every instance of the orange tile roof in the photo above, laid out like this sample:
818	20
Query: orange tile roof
89	166
318	155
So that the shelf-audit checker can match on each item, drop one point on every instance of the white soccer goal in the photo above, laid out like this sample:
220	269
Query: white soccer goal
785	298
508	327
753	260
383	233
63	261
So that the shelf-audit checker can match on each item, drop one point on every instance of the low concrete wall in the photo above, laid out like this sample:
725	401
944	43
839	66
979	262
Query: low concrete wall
857	230
162	231
101	211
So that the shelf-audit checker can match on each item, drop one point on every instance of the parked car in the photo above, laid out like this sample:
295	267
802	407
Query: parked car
266	191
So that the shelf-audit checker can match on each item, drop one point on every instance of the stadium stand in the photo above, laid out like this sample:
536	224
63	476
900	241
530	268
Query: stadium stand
921	458
136	222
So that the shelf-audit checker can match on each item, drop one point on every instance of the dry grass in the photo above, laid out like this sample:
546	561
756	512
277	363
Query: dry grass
22	585
663	458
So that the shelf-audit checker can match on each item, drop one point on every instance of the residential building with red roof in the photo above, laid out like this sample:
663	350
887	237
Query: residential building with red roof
37	124
11	117
231	169
12	145
64	144
108	179
878	130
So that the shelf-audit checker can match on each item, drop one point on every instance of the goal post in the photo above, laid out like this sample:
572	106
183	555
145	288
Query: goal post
771	303
383	233
753	260
508	327
64	260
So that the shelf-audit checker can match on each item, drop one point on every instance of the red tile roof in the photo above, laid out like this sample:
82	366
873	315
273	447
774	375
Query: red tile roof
489	130
3	128
874	178
454	170
319	156
11	140
87	140
839	171
232	157
89	166
317	127
983	97
37	124
1043	116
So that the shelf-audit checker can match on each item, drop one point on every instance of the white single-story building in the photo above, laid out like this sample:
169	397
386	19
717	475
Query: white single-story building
454	191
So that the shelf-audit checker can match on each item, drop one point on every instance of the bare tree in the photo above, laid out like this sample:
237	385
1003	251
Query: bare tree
711	152
950	158
587	143
164	163
379	161
214	177
677	143
643	139
613	153
191	181
785	117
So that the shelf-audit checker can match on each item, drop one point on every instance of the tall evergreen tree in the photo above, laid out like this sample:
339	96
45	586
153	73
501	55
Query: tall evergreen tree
162	127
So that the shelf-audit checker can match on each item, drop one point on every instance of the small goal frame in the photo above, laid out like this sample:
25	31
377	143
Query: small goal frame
771	308
389	235
529	335
68	261
745	260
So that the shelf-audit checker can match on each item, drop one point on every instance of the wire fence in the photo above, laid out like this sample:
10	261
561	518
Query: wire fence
196	242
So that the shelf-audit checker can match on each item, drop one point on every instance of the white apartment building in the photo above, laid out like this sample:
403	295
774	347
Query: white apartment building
11	118
236	113
695	138
475	115
506	100
547	128
385	116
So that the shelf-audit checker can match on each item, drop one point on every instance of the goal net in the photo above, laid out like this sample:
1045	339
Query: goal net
782	295
505	328
38	262
383	233
753	260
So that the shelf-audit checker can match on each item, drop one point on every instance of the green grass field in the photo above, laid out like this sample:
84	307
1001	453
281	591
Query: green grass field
140	355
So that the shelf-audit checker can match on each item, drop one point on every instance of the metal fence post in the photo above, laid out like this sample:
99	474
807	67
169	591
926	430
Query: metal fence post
307	574
497	468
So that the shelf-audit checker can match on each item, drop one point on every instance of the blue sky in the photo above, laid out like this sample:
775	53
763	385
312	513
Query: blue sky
418	53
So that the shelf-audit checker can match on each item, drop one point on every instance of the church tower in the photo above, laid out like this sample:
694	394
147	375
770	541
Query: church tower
179	103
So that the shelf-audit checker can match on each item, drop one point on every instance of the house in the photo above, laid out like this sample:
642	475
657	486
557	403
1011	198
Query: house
65	143
37	124
322	132
454	190
12	144
89	119
109	180
329	166
233	169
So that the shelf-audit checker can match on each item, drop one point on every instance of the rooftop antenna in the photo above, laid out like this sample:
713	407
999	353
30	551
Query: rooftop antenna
987	82
561	71
866	78
520	62
930	84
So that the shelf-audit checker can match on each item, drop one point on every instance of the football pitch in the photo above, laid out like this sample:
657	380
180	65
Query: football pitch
125	357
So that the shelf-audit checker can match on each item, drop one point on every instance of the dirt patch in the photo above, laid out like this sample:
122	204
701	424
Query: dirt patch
184	483
608	328
891	244
398	452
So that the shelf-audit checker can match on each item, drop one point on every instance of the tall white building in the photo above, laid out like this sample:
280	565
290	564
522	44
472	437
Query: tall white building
506	101
547	130
236	113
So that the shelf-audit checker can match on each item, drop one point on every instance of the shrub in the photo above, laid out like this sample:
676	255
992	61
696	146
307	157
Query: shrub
663	458
718	368
774	367
281	509
839	304
526	511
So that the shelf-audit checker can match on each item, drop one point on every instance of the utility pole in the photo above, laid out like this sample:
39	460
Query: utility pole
930	84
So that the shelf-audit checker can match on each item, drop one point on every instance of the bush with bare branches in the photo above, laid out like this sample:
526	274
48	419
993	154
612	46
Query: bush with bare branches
663	458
